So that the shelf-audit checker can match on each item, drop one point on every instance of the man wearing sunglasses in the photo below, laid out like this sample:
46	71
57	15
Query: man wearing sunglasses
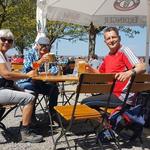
37	54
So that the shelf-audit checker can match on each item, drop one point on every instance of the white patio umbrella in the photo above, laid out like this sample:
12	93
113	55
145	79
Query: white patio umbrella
41	21
100	12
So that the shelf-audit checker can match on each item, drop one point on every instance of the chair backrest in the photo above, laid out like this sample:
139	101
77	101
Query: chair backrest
138	83
95	83
141	83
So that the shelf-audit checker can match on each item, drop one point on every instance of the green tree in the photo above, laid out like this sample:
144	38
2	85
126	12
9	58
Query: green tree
62	30
20	19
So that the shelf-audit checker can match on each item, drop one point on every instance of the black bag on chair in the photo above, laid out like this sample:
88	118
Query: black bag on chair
9	84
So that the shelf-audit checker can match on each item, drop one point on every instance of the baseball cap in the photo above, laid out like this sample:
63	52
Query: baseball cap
43	41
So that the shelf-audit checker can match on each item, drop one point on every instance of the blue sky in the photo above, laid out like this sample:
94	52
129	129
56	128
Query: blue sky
137	44
67	48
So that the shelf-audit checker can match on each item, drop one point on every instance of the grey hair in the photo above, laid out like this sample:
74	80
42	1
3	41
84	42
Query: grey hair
6	33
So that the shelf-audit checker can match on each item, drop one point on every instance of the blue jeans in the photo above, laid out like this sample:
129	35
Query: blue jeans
40	87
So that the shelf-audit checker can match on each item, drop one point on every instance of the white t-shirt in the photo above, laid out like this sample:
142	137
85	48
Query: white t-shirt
5	61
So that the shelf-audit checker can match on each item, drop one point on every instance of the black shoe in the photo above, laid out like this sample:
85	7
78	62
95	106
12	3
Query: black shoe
28	136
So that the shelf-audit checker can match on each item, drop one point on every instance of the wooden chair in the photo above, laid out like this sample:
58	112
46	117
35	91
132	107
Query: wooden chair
66	94
88	83
139	83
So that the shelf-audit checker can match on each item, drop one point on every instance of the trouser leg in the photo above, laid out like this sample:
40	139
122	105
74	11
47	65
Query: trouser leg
101	101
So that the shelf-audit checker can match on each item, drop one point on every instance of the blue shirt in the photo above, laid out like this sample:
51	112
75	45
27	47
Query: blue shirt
32	55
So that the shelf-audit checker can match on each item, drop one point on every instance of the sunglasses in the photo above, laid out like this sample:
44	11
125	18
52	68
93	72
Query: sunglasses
10	41
44	45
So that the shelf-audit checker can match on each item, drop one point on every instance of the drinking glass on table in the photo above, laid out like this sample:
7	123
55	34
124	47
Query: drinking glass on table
50	61
51	57
81	66
46	68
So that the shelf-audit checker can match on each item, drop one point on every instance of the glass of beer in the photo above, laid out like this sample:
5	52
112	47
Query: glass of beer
51	57
81	66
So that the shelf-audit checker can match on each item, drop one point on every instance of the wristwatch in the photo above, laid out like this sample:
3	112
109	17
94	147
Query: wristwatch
133	72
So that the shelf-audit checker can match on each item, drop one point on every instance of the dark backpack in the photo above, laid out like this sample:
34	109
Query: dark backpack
128	118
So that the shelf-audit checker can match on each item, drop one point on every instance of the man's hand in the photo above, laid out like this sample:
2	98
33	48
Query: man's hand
44	58
90	69
122	76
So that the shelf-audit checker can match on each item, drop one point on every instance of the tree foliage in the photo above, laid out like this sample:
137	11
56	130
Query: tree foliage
62	30
19	16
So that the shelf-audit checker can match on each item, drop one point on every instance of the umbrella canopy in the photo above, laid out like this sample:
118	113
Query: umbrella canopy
100	12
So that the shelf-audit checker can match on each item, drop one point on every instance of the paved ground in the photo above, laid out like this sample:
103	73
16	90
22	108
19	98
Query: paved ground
12	124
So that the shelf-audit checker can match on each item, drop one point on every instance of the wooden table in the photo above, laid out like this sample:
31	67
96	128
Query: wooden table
62	79
57	78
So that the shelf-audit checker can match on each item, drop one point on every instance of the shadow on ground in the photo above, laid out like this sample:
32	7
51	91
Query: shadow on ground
41	127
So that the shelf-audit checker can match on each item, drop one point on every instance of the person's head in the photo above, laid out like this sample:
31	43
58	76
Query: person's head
43	45
112	39
6	40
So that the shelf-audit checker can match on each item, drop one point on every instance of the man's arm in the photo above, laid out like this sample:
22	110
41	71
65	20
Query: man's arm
90	69
139	68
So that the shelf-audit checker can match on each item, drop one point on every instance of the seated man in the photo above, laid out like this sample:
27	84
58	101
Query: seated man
124	63
9	96
38	55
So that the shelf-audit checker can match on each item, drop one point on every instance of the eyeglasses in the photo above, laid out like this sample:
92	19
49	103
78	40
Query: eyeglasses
10	41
